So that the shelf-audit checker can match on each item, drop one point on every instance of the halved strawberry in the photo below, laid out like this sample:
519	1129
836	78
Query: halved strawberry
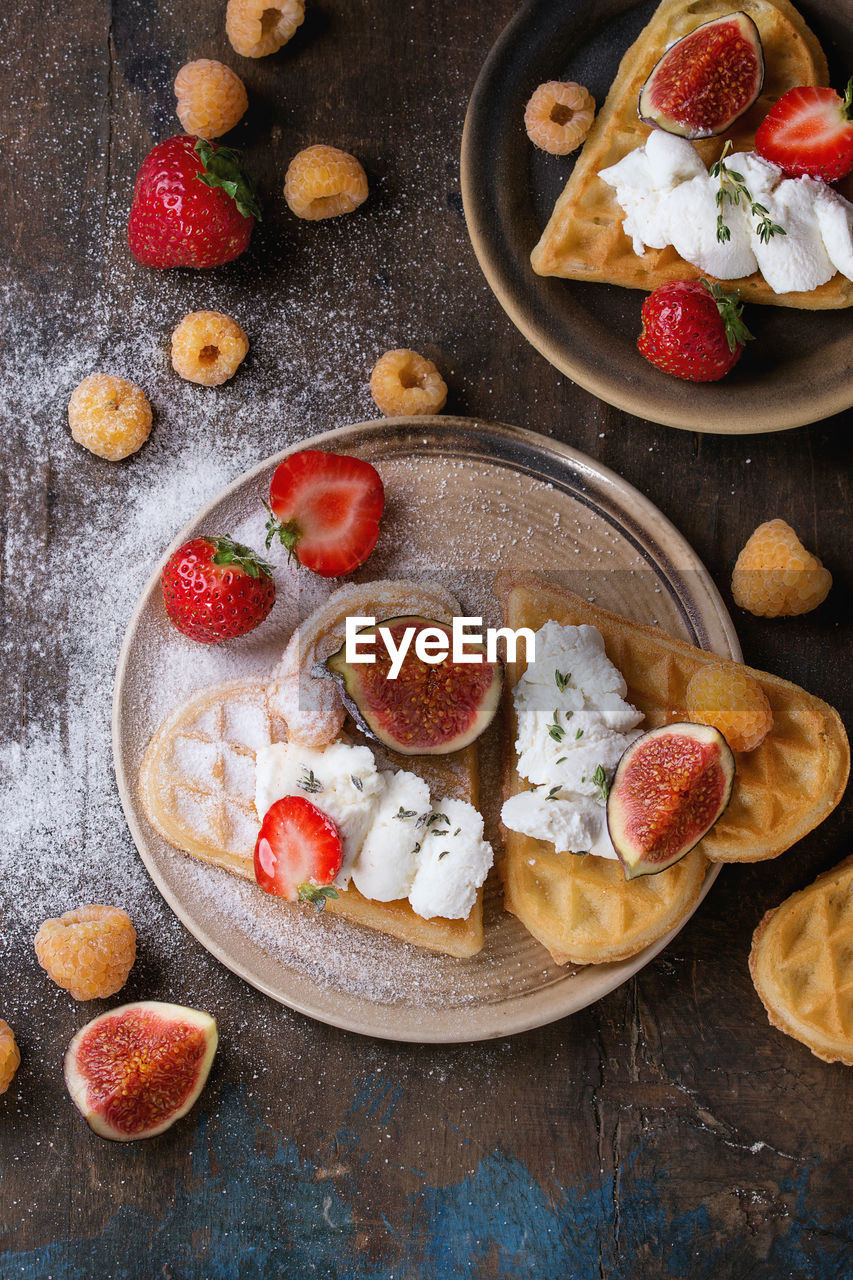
325	508
809	133
298	852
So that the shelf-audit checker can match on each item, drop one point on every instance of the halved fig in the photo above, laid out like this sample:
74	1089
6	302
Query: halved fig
706	79
134	1071
669	789
428	708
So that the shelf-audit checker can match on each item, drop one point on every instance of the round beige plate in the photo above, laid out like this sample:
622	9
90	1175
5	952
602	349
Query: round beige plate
464	499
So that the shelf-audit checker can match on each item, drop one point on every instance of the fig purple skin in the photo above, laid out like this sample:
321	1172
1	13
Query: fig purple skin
706	80
669	789
428	709
134	1071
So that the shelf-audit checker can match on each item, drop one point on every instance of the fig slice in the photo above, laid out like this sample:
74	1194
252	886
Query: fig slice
428	708
669	789
706	80
134	1071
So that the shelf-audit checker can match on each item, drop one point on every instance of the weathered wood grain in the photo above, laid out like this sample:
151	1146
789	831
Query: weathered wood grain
668	1130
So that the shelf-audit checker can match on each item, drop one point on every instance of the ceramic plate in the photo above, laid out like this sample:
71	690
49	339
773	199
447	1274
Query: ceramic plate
464	498
799	369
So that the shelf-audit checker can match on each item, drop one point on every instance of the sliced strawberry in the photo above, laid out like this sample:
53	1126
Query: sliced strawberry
325	508
298	852
809	133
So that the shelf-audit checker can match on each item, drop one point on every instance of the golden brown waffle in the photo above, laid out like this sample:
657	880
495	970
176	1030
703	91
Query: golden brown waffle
584	239
197	784
782	789
802	965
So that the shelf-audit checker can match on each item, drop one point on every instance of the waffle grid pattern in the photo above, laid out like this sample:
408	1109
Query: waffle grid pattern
802	965
782	789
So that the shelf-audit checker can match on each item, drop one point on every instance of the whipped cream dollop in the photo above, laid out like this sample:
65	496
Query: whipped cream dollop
397	843
669	198
573	727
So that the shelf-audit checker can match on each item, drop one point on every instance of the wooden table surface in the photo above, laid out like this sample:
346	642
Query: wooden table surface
667	1130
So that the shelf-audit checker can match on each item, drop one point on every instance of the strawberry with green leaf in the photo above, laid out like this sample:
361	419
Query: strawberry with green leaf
216	589
693	330
193	206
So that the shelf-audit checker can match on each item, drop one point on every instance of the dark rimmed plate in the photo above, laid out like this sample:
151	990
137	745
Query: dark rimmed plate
799	369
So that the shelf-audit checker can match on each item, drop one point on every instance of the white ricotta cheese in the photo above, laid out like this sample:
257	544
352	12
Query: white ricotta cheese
397	842
388	859
668	198
453	861
573	727
342	780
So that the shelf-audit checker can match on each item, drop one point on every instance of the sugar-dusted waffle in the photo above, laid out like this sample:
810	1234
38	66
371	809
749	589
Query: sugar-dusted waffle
197	778
782	789
584	239
802	965
197	783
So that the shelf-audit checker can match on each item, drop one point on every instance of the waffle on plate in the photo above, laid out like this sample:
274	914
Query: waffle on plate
582	908
584	239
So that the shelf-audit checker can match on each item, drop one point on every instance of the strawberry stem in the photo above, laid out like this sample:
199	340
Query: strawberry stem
287	532
317	894
230	552
730	308
222	168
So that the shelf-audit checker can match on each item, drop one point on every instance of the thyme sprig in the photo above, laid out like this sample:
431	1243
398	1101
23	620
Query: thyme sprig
600	780
733	189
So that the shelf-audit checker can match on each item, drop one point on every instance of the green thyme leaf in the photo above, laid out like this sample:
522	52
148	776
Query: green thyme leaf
555	730
600	780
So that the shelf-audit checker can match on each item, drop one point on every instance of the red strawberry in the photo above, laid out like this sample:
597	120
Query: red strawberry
692	330
298	852
809	132
325	508
215	589
192	205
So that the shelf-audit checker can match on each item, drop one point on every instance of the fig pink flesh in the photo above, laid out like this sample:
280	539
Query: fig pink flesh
132	1072
706	80
428	708
669	789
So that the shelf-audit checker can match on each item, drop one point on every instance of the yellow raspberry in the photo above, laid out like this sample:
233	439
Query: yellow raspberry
403	383
109	416
208	348
89	952
10	1056
559	116
732	701
323	182
211	98
775	576
259	27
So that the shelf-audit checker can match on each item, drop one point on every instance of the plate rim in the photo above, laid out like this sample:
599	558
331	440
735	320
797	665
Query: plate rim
520	1012
791	413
